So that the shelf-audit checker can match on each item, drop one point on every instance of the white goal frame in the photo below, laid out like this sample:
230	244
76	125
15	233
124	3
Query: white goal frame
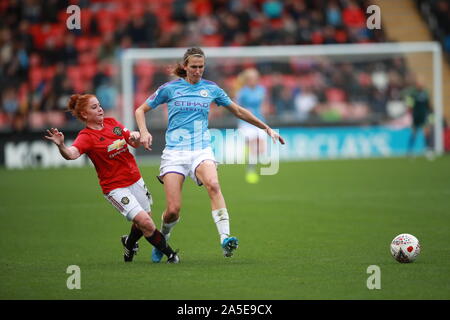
130	55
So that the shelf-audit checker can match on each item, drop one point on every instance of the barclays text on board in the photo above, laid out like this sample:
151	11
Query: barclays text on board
332	143
347	142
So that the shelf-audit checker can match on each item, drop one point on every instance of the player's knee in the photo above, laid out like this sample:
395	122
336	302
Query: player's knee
212	186
147	226
172	213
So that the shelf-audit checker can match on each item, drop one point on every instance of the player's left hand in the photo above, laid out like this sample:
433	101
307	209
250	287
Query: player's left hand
275	136
135	136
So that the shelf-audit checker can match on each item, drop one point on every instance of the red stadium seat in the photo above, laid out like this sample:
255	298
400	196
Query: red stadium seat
143	84
87	57
214	40
49	73
164	11
447	139
57	32
56	119
35	60
317	37
4	120
88	71
111	70
341	36
22	92
202	7
266	81
74	72
290	81
62	16
96	42
139	98
144	69
136	9
37	119
79	85
82	43
335	95
121	14
36	76
106	20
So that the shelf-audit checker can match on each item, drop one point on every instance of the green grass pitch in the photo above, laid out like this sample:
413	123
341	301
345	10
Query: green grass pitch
308	232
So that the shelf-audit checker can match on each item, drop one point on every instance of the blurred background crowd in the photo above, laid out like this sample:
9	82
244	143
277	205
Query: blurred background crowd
42	63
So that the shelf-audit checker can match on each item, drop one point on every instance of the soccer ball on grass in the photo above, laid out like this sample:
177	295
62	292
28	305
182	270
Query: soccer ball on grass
405	248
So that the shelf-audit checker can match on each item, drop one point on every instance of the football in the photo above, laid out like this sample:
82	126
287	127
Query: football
405	248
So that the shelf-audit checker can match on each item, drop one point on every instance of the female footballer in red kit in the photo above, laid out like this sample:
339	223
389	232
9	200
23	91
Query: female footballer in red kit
105	141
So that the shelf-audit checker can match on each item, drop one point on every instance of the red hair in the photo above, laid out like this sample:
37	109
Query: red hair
78	103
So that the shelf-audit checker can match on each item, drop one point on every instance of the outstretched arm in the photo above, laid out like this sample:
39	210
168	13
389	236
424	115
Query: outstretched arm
134	139
246	115
145	136
57	137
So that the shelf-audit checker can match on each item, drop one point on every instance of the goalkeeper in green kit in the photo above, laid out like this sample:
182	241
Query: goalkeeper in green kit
418	99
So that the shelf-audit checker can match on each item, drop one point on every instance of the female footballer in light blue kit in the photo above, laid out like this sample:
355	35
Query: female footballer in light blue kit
252	96
188	151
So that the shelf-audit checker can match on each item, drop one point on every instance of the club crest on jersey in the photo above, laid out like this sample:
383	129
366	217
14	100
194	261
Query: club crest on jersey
204	93
116	145
117	131
125	200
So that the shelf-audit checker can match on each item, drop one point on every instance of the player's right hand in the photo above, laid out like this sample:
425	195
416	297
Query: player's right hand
55	136
146	140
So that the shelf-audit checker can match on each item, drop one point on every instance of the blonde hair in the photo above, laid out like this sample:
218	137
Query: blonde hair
78	103
242	78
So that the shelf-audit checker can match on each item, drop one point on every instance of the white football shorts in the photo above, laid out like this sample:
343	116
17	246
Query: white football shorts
184	162
131	200
250	132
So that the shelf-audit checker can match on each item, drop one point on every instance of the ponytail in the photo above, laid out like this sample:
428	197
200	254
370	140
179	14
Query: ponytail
77	104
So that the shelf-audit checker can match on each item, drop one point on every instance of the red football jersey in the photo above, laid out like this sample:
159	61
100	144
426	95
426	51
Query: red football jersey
108	150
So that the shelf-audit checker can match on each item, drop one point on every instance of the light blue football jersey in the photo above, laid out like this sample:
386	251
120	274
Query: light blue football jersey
252	99
188	108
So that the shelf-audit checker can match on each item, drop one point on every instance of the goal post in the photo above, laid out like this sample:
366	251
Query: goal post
338	51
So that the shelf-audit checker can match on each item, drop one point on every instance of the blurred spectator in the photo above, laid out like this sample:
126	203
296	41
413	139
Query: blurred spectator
441	10
305	101
272	9
377	102
137	30
243	11
329	112
107	96
353	16
436	14
329	35
69	52
304	34
151	22
446	137
333	14
229	28
108	48
31	10
10	102
101	76
45	63
182	11
281	97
